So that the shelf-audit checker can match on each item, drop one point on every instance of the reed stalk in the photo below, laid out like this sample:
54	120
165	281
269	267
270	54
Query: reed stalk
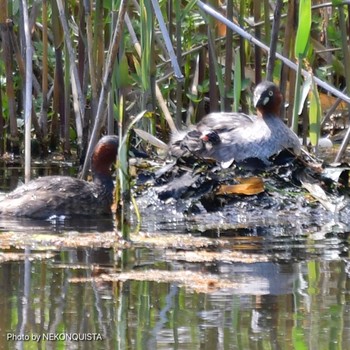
180	82
237	85
28	91
228	59
257	55
346	54
274	40
315	114
285	60
177	71
78	98
161	101
106	84
91	58
45	72
10	89
301	46
123	192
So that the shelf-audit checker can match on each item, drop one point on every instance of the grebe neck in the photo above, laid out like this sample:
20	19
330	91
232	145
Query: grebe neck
271	109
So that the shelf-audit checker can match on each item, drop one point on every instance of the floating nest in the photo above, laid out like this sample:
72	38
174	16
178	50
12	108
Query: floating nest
201	192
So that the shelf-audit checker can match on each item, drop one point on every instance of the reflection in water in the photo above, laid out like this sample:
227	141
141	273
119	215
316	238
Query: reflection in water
282	304
56	225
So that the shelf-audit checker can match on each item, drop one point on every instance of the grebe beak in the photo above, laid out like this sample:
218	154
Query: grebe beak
262	100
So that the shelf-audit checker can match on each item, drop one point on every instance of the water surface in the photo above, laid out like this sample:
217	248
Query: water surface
290	289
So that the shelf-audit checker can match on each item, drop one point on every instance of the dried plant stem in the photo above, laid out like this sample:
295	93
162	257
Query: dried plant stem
285	60
10	90
78	97
45	83
257	55
28	91
159	96
169	46
274	40
89	43
102	105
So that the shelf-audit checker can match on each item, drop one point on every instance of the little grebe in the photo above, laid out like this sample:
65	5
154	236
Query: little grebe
50	196
225	137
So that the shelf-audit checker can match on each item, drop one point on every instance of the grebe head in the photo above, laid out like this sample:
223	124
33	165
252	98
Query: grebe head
104	155
267	98
211	136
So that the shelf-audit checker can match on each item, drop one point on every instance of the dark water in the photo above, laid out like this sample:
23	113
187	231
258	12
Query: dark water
298	298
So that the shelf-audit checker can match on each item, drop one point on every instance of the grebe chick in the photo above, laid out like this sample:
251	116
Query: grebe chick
50	196
225	137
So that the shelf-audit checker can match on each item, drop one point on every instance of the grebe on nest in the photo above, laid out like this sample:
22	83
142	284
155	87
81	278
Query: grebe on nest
227	137
50	196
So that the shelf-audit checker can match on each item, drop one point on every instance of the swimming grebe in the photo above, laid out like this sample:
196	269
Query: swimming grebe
225	137
50	196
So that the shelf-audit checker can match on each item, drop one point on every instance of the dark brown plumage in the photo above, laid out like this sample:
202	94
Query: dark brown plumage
50	196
